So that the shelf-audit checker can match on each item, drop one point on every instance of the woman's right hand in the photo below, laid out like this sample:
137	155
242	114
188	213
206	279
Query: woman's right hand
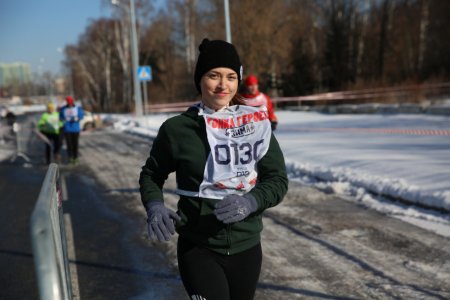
160	222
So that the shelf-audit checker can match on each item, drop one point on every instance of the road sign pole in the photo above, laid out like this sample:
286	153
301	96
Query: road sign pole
145	75
135	62
145	86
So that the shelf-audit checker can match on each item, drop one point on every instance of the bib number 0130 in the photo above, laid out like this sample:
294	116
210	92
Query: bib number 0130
240	153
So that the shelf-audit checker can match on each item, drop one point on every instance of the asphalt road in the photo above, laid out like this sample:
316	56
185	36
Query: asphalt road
107	262
19	189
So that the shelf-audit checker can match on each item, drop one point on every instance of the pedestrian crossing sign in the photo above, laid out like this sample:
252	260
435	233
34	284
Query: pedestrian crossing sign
145	73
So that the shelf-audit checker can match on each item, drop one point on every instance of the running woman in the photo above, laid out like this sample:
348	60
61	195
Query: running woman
229	170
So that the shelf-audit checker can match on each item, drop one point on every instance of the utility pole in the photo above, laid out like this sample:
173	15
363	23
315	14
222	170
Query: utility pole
227	20
134	58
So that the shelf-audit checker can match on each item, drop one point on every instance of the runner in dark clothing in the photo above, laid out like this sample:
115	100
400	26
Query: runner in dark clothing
229	169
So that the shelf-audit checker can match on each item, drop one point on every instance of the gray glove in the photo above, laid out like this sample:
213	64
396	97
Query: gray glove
235	208
160	221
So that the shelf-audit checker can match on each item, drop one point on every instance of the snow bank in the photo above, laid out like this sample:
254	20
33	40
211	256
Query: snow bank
350	181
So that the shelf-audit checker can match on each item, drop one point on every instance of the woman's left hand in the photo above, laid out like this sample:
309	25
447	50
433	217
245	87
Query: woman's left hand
235	208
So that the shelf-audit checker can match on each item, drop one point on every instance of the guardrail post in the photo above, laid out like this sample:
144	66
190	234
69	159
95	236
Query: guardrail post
20	142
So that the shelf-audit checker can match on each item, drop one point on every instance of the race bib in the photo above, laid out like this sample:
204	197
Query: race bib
71	112
239	137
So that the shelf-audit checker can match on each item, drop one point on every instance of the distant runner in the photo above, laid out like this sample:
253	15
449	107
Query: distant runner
50	125
71	115
254	97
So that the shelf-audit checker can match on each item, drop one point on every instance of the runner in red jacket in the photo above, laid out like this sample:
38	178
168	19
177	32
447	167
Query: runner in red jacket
253	97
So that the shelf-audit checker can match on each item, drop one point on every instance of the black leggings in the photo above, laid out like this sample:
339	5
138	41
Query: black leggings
72	143
55	139
213	276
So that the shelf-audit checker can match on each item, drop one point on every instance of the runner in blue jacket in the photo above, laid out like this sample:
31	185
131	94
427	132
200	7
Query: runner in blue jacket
71	115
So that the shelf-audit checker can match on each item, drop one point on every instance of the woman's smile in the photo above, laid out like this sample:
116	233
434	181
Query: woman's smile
221	93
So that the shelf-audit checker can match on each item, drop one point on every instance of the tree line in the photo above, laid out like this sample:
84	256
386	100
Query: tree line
295	47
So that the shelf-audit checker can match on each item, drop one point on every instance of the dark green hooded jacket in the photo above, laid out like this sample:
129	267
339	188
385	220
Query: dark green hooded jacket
181	146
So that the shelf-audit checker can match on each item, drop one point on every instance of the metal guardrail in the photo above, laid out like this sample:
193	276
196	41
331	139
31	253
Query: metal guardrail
364	95
49	240
355	96
169	107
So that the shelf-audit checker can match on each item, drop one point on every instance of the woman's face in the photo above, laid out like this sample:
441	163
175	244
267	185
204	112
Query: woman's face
218	85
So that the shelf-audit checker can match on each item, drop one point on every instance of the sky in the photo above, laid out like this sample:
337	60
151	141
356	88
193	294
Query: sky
36	31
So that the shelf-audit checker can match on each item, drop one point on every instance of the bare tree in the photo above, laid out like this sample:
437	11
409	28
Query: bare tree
361	44
92	60
436	61
312	45
423	32
339	51
383	35
122	31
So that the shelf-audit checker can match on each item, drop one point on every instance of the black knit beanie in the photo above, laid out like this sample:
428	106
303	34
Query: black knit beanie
216	54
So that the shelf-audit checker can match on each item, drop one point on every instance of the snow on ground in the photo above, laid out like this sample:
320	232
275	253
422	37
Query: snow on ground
399	156
370	158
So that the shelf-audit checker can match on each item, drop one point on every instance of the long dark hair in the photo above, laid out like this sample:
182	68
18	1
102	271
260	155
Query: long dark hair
238	99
